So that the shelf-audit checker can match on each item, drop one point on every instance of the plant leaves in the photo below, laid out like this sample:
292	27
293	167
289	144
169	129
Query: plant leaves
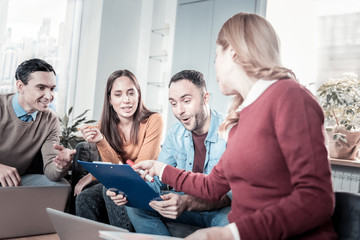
82	114
70	110
68	127
90	121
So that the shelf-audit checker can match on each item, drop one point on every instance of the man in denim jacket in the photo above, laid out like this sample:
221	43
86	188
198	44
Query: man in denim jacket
192	144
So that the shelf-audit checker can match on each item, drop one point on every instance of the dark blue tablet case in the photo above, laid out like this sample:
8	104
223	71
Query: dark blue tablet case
123	179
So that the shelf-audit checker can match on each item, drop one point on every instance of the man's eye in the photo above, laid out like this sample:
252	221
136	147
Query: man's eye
42	88
52	89
187	101
173	104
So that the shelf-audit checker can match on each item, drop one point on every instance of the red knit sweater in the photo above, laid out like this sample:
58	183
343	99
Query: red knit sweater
276	165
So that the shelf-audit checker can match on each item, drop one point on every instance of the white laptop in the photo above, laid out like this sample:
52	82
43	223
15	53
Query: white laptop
23	209
70	227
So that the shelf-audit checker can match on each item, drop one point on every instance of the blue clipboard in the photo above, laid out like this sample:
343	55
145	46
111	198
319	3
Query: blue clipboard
123	179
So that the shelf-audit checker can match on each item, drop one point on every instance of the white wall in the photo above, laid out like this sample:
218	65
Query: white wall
85	81
297	33
116	34
110	40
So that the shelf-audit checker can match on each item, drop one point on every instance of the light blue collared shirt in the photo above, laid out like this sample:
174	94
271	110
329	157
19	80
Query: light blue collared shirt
18	109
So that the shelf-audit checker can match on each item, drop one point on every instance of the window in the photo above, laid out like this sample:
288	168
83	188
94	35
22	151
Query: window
45	29
320	39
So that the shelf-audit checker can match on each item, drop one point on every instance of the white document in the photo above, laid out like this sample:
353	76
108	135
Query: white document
114	235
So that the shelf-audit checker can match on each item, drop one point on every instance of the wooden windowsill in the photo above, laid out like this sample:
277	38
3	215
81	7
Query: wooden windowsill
344	162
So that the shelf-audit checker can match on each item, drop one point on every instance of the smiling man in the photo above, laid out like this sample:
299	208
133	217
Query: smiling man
192	144
29	130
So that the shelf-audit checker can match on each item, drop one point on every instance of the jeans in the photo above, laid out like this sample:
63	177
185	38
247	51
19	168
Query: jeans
93	203
151	222
90	204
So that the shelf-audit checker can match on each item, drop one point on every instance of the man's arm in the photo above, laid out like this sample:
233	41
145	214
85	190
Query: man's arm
56	158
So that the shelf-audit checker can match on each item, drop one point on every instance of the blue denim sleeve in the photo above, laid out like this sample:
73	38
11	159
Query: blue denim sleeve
166	156
157	185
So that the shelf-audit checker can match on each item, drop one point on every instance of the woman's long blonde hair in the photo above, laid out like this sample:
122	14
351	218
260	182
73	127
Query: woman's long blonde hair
257	48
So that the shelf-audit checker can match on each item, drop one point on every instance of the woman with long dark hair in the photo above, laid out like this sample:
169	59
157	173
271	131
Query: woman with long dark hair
127	130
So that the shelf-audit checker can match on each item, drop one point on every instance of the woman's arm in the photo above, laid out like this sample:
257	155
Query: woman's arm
151	146
210	187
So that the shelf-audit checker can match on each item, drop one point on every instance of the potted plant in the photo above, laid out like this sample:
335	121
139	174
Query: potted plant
340	100
69	128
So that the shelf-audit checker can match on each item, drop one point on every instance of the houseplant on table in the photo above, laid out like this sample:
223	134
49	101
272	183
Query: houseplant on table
340	100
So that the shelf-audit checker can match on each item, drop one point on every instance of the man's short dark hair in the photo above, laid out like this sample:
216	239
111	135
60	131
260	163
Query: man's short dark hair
197	78
24	70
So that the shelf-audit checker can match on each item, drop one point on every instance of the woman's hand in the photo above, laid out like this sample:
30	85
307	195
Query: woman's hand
150	167
213	233
118	199
91	134
87	179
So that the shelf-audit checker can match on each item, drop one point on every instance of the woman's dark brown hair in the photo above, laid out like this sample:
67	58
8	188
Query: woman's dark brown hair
110	119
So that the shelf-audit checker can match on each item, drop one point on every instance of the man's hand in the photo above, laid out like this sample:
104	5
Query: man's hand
213	233
118	199
9	176
64	158
172	206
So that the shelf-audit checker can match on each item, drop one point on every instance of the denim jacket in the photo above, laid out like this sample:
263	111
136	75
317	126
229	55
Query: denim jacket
178	148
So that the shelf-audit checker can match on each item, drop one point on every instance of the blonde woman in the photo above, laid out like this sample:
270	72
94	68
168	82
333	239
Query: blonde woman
275	161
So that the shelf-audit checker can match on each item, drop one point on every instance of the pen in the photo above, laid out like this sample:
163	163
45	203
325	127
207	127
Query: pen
148	177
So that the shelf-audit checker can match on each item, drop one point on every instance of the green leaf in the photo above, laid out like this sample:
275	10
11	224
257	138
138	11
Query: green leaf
65	120
90	121
82	114
79	121
70	110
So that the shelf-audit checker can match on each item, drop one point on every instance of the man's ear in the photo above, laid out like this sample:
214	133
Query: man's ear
20	86
206	98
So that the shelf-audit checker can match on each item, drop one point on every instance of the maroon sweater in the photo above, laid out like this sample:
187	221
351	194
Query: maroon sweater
276	165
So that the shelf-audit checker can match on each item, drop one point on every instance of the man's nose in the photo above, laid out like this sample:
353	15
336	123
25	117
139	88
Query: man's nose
180	109
49	94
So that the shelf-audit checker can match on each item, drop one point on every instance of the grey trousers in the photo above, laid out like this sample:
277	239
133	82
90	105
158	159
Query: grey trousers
41	180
